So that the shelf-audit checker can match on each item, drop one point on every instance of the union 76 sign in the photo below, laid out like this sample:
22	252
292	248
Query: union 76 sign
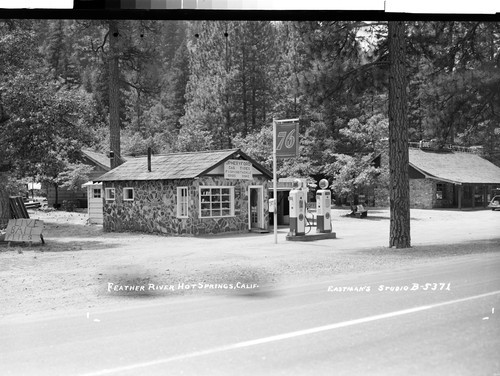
287	138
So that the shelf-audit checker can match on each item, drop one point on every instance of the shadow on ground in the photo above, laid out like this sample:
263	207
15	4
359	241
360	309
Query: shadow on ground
229	235
374	218
64	230
52	245
439	250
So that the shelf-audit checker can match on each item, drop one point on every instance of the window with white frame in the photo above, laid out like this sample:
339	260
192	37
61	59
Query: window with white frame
128	194
96	193
216	202
182	202
110	194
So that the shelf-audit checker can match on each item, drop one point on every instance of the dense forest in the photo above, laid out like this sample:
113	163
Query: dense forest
198	85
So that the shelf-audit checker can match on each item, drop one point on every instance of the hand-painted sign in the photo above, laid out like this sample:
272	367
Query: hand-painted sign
24	230
238	169
287	138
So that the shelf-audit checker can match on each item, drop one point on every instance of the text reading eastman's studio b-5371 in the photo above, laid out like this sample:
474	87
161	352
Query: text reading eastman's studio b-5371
440	286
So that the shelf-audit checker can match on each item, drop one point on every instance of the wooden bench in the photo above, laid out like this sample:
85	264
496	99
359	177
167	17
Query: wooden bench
32	205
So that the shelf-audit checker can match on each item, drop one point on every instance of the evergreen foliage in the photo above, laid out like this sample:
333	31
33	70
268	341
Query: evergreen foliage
198	85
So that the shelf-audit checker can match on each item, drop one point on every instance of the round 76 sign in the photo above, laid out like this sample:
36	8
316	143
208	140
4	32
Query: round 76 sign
287	138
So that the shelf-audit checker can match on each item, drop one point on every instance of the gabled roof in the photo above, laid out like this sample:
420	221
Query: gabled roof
176	166
454	167
99	159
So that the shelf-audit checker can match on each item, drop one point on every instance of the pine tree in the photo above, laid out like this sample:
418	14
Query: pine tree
455	95
206	87
232	78
399	235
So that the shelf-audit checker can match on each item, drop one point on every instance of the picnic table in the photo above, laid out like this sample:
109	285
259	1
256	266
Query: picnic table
358	211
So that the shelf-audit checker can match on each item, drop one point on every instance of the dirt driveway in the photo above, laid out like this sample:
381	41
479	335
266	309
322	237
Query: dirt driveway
74	269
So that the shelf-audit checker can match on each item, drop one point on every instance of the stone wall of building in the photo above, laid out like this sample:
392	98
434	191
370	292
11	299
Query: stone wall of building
154	208
422	193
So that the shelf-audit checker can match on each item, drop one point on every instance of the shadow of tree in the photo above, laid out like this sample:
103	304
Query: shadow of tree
64	237
375	218
64	230
57	246
439	250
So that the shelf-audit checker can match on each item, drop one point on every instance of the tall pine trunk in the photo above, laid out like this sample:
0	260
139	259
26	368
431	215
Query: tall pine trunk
227	66
56	195
114	95
4	201
399	236
244	91
4	193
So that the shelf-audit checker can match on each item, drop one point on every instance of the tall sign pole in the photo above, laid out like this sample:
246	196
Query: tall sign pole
275	186
285	145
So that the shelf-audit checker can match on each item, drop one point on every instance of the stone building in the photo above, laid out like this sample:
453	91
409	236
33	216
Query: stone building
187	193
450	178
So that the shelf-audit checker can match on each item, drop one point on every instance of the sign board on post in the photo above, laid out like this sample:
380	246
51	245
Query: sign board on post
238	169
285	145
287	138
24	230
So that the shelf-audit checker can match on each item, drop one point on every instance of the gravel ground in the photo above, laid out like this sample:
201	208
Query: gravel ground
73	270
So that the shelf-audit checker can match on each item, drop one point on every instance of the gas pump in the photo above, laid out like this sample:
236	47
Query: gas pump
323	208
297	203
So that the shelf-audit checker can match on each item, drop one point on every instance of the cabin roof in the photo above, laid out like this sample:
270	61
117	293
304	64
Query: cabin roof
170	166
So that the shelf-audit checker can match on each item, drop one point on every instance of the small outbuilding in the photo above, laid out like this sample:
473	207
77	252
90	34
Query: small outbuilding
187	193
94	202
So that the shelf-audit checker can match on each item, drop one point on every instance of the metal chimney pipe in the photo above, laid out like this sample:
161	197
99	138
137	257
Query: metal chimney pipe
149	159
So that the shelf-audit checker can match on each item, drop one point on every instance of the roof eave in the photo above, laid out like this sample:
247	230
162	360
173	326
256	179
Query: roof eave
433	177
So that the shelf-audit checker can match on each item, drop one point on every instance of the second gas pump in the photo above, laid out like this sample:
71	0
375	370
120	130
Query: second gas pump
324	208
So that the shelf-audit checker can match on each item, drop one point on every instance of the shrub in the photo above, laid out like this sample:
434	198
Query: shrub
69	205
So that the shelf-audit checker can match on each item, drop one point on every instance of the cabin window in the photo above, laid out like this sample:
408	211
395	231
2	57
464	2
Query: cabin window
216	202
128	194
110	194
96	193
182	202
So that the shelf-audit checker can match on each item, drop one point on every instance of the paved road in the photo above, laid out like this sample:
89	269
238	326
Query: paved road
451	328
